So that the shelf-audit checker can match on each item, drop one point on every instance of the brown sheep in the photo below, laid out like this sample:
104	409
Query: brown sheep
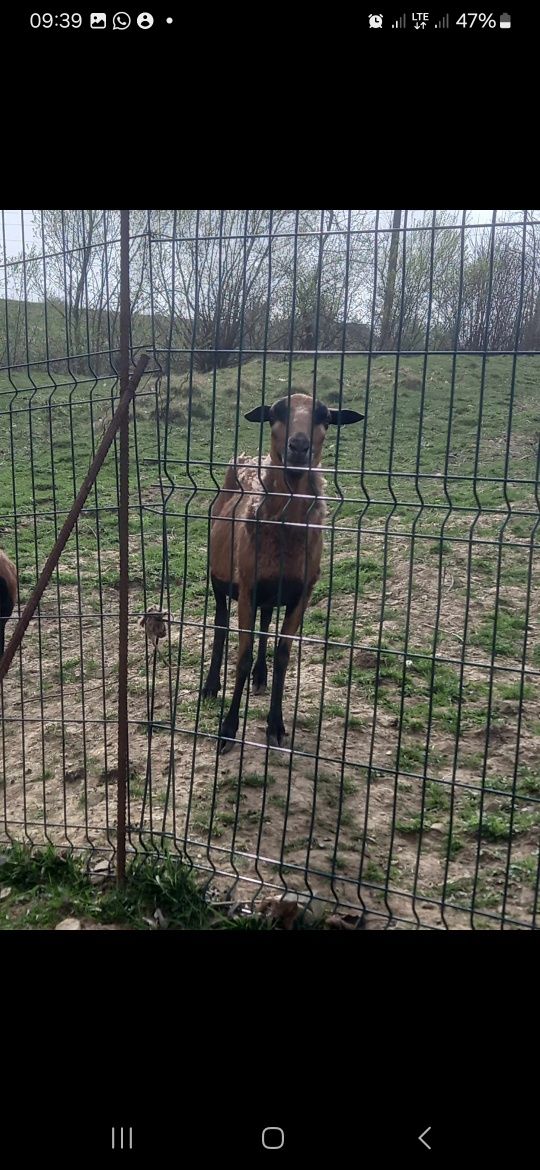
8	594
266	545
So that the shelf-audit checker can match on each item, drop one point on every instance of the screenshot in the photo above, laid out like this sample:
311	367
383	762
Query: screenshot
269	672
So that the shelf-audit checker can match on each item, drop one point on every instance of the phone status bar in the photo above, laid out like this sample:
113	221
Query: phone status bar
422	21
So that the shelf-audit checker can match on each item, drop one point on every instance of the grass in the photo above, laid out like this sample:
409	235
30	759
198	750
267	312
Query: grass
525	870
454	846
509	630
257	780
437	797
45	887
49	476
373	872
528	780
496	826
514	691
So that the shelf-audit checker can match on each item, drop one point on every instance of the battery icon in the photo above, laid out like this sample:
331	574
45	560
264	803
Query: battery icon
505	21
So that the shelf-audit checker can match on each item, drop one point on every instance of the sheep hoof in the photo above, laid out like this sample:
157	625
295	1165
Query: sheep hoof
260	688
281	740
227	744
209	692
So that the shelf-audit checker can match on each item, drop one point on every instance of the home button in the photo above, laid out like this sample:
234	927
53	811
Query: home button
273	1138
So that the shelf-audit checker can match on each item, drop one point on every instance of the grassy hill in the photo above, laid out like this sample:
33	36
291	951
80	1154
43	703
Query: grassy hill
420	453
426	584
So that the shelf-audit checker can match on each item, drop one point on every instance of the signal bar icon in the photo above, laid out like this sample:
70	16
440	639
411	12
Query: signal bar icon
402	22
444	23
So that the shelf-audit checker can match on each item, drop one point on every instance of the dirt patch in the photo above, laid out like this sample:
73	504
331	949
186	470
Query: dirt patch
410	788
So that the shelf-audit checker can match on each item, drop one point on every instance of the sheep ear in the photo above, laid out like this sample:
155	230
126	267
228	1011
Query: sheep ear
343	418
259	414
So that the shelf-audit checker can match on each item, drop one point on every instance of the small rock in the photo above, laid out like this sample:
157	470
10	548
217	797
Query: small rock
160	919
102	866
5	892
346	922
316	912
69	924
73	775
438	827
100	873
104	926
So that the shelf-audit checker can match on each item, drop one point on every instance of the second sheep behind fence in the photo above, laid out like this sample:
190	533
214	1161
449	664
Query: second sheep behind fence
8	594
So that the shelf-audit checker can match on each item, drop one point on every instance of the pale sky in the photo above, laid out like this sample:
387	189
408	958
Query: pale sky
13	227
14	221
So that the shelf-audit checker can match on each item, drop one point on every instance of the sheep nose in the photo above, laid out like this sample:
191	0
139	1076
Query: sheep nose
299	445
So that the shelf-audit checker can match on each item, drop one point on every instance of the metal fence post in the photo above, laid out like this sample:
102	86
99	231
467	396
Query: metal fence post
123	534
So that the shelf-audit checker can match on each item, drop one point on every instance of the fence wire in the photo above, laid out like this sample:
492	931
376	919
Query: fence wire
409	786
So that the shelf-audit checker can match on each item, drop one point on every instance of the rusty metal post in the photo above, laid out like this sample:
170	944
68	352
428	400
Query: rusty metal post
71	519
123	532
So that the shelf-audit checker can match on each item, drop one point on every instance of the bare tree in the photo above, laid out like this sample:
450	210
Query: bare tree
385	336
212	279
227	285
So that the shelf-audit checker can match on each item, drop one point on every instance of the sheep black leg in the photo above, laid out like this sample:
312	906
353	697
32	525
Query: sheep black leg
260	673
221	623
275	732
229	726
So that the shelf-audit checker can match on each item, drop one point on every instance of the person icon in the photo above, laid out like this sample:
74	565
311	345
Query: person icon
145	20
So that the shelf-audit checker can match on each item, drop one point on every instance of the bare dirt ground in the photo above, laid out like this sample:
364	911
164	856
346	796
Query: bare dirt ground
394	828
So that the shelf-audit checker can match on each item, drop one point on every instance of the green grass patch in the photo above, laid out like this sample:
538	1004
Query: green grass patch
509	634
46	886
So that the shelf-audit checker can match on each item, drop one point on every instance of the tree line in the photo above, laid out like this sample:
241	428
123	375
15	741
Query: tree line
230	285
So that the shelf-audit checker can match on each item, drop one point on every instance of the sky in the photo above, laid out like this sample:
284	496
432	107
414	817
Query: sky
13	226
14	221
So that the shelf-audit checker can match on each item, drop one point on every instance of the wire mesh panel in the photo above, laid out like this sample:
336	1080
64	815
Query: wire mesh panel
409	781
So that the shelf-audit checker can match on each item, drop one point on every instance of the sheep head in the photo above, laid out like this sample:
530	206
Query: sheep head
298	430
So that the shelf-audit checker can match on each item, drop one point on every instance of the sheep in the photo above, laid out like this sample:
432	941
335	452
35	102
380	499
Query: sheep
8	594
265	549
